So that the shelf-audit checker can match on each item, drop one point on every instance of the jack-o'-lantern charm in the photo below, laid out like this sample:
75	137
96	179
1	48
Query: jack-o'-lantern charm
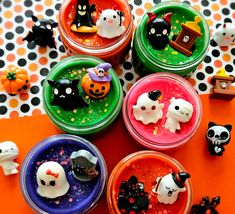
96	83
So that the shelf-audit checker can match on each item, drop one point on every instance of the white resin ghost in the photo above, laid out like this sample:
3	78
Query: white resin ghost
51	180
109	23
179	110
224	35
169	186
148	109
8	152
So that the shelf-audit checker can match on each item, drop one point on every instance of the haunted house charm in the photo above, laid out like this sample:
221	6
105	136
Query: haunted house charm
186	38
83	165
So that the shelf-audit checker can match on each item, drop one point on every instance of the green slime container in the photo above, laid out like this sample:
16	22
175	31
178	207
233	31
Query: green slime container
148	60
82	121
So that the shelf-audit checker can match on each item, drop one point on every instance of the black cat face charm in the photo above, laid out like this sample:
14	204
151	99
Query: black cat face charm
66	94
218	136
158	30
42	32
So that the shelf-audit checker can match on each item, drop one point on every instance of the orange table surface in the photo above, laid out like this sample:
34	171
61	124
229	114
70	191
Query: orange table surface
210	175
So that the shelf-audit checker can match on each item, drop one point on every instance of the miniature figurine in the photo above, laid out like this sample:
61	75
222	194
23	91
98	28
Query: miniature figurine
148	109
83	165
96	83
83	21
224	35
131	197
222	85
217	137
179	110
158	30
42	32
8	152
66	94
15	80
169	186
206	205
109	23
186	38
51	180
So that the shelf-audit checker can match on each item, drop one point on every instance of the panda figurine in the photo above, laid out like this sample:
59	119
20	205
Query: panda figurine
217	137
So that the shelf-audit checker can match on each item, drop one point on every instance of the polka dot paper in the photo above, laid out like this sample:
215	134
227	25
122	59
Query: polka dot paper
15	23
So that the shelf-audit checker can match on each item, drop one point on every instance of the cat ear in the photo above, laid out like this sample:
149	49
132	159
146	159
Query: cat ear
52	83
75	82
210	124
34	18
229	127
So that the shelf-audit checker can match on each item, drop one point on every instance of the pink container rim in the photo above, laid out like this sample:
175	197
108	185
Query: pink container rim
166	145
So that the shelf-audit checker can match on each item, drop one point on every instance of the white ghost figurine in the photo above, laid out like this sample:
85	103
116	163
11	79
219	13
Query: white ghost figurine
148	109
224	35
179	110
169	186
109	23
51	180
8	152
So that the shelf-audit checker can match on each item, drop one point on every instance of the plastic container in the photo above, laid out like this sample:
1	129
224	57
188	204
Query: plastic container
100	113
156	136
110	50
148	60
147	166
82	196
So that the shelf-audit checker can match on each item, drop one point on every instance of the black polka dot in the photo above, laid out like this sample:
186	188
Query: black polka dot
207	12
131	6
156	1
21	62
229	68
34	89
62	49
52	64
124	93
234	61
24	108
9	35
59	38
0	19
2	63
205	3
10	46
202	86
232	5
44	71
19	19
215	53
7	3
129	76
207	59
53	54
42	82
32	56
28	13
19	29
31	45
28	3
3	110
233	51
186	2
227	20
35	101
200	76
49	12
127	65
209	69
57	6
225	11
1	52
138	2
122	82
3	98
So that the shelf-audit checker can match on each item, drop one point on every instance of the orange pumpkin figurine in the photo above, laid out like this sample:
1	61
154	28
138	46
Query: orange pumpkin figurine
15	80
96	83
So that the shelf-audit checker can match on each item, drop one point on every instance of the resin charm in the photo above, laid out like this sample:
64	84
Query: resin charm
51	180
148	109
8	152
179	110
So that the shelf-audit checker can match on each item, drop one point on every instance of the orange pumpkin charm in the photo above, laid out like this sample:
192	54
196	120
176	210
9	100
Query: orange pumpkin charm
96	83
15	80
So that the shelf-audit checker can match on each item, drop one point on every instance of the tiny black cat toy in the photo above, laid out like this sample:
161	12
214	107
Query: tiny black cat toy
217	137
42	32
66	94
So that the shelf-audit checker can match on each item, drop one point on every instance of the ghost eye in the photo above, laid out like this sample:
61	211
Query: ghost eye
48	27
43	182
224	34
164	32
68	90
153	107
224	135
84	7
101	70
232	35
0	151
104	18
52	183
91	85
103	88
37	23
174	190
79	7
56	91
167	187
177	107
12	148
211	133
152	31
114	17
143	108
